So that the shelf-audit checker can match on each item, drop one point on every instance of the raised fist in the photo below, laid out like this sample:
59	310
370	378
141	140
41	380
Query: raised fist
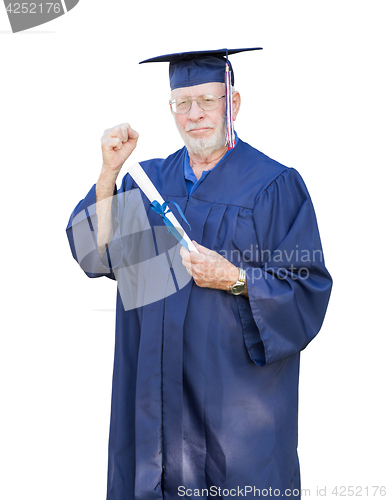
117	145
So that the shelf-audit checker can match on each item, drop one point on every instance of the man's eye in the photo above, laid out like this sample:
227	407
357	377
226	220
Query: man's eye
208	99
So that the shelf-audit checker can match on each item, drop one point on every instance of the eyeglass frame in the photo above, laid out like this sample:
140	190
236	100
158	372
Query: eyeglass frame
195	98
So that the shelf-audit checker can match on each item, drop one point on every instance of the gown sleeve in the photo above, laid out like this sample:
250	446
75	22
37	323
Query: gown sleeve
290	288
82	230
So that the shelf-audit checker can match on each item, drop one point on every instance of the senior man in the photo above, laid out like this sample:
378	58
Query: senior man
205	384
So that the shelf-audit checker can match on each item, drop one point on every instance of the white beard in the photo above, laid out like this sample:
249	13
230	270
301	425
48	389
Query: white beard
201	145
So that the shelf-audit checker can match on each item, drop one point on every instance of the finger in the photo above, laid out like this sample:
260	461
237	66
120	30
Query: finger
197	256
121	131
132	134
112	143
184	253
127	133
186	262
201	259
202	249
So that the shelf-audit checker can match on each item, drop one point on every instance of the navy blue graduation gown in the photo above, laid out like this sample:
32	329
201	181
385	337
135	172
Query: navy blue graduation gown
205	384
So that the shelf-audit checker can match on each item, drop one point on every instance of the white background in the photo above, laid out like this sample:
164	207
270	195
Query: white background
314	99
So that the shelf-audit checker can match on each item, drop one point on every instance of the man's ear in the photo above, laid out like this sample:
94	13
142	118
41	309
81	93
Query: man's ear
236	103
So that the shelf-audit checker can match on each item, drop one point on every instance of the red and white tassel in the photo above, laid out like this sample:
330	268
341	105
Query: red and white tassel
229	127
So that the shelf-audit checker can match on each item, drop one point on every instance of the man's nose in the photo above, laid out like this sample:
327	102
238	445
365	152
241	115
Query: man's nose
196	112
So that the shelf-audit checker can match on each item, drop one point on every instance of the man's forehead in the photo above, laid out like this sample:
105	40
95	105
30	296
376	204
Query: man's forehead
204	88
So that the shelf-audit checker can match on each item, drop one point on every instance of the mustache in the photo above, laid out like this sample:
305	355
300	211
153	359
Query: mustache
195	127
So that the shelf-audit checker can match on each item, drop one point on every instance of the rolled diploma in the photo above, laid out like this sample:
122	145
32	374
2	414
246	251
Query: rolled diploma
145	184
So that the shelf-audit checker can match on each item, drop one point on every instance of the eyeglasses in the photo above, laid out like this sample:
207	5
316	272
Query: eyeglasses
207	102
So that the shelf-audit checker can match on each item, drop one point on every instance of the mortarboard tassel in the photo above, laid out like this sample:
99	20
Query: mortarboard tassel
229	127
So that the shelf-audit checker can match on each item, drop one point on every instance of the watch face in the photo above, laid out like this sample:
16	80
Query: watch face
237	289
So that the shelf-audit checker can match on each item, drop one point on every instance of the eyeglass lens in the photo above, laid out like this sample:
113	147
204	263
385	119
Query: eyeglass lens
206	102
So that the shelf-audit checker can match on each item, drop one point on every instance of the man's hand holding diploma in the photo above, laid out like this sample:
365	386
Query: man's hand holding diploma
209	269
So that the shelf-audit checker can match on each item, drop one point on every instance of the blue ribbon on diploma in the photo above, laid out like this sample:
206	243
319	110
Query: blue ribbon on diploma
162	210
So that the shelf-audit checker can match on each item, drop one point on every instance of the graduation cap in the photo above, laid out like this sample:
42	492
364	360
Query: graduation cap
195	68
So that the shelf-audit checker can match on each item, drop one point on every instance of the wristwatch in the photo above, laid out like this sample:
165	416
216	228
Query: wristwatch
239	286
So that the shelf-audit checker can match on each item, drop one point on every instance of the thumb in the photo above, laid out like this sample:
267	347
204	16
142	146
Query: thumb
132	134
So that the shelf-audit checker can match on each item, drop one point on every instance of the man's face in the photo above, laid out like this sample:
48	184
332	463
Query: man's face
201	131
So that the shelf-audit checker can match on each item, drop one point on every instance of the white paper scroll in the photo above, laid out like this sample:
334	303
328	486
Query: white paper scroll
145	184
